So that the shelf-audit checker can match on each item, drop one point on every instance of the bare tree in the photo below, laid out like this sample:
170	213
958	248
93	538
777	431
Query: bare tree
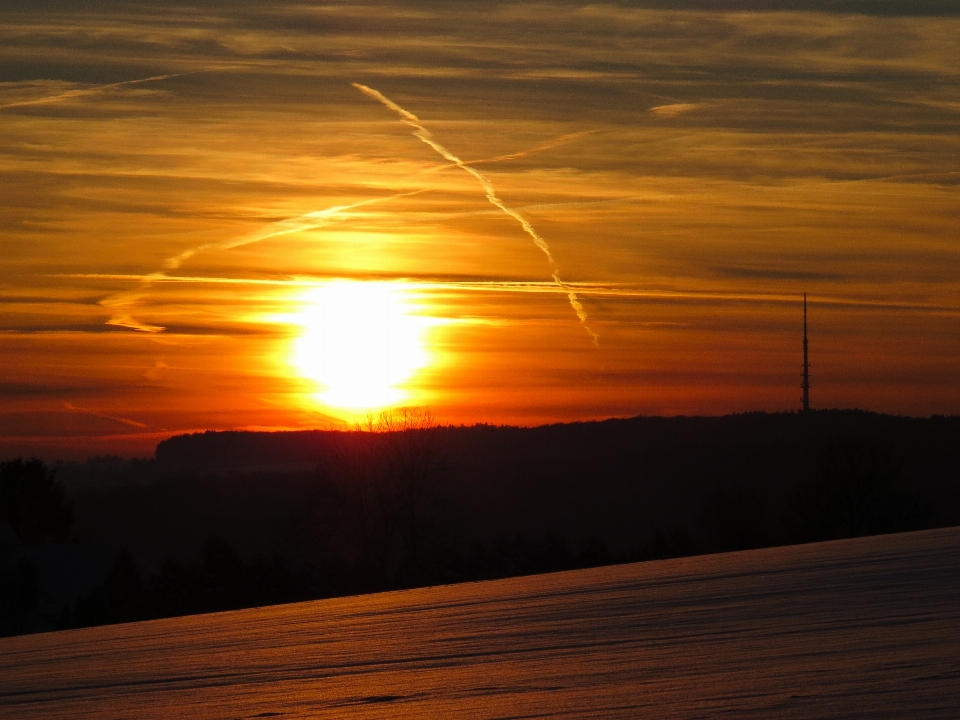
411	464
376	483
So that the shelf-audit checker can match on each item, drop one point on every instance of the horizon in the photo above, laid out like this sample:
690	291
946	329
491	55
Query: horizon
285	219
81	456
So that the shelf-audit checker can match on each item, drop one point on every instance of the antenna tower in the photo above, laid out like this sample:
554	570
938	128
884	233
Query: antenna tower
806	361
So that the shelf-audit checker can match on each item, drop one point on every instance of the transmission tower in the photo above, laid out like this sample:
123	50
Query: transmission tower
806	361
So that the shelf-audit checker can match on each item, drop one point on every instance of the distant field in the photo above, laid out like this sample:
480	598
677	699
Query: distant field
855	628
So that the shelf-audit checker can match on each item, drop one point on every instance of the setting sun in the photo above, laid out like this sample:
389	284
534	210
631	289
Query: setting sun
250	223
361	342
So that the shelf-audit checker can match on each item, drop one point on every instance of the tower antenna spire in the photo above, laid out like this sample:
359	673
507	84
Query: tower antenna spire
806	361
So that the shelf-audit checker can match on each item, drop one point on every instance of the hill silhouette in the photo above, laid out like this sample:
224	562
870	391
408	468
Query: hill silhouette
620	479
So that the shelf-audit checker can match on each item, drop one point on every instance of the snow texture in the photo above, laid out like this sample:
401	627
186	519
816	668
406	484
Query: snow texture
865	628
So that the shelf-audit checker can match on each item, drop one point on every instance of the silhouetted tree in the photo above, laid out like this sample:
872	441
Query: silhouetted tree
34	502
372	491
411	465
859	489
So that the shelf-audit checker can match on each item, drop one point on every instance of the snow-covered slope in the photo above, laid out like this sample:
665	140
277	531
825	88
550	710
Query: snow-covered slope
857	628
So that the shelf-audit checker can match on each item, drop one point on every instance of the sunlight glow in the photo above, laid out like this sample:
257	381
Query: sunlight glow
362	342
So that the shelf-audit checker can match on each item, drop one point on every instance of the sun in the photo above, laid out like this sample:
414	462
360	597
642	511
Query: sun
361	342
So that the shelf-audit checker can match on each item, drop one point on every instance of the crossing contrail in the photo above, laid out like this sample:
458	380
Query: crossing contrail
425	136
121	303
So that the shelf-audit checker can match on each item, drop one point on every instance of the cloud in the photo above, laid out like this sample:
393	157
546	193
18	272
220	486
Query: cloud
674	109
128	321
774	273
157	372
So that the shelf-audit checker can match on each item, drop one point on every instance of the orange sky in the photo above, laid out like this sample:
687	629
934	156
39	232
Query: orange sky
692	172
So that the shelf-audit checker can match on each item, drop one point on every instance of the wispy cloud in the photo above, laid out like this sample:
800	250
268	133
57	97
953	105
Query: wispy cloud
674	109
124	320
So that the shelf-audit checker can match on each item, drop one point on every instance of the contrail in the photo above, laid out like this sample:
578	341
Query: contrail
80	92
311	220
121	420
307	221
555	142
425	136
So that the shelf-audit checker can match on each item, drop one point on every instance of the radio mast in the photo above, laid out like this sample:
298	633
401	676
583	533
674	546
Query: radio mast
806	361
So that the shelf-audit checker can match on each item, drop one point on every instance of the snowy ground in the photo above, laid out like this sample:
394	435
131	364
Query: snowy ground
858	628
